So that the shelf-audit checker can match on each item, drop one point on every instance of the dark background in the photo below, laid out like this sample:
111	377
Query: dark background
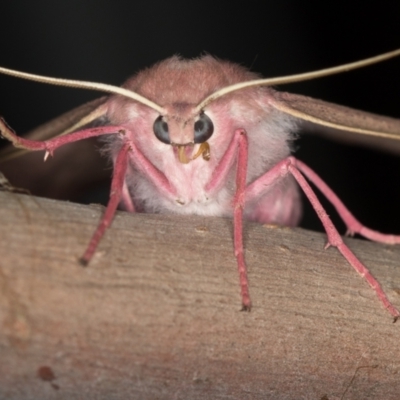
107	41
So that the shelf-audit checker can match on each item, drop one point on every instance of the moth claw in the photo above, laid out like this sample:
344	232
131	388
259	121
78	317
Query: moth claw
246	308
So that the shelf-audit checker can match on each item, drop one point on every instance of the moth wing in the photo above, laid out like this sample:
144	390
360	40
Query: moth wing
339	122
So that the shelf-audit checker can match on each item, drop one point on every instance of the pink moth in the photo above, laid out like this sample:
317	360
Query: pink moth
209	137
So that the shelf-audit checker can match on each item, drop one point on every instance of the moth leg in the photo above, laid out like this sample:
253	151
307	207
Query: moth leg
238	148
154	175
353	225
290	166
238	206
126	199
224	166
117	184
50	145
335	239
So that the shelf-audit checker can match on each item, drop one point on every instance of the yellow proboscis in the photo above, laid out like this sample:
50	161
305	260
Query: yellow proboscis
204	150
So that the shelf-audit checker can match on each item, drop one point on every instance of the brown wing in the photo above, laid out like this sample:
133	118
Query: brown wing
339	122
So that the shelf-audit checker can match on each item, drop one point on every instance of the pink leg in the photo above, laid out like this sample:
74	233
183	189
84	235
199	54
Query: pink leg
238	204
126	199
154	175
50	145
117	184
238	144
223	168
335	239
296	168
353	225
137	157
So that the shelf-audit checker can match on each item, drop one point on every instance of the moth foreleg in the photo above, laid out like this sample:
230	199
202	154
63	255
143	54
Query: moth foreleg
117	184
238	205
52	144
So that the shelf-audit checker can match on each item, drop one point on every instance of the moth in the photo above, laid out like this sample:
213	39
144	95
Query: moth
209	137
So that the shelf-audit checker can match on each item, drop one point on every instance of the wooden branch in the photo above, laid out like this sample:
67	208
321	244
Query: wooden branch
156	314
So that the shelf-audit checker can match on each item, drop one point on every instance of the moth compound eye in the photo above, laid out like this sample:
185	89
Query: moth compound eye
160	129
203	129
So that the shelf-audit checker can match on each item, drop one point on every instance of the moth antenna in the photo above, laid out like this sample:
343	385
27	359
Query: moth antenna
98	112
281	80
102	87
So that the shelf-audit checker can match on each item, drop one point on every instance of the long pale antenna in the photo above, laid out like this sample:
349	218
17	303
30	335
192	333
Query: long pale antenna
102	87
297	77
242	85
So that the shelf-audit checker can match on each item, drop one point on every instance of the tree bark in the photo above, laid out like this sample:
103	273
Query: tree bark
156	315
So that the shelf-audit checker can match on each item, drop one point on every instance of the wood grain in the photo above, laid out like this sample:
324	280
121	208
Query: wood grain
156	314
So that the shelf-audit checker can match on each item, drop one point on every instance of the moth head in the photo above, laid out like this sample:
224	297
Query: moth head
189	136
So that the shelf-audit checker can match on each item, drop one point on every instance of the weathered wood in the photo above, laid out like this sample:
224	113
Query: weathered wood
156	314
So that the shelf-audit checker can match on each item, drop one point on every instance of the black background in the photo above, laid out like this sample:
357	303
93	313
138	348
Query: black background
107	41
